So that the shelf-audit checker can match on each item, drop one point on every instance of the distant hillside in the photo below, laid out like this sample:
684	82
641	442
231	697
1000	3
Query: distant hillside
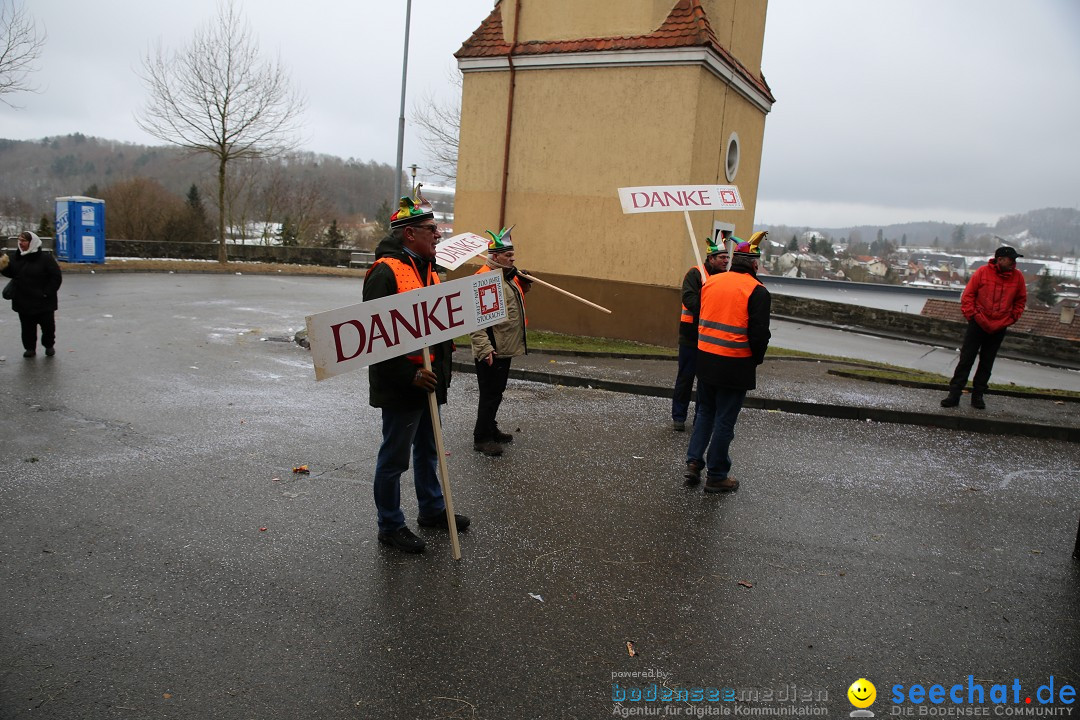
34	173
1050	231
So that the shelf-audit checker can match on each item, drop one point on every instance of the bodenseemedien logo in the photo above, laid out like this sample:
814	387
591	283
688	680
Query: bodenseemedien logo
862	694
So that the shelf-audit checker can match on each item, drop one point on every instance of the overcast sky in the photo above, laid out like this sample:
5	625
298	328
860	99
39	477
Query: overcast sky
887	111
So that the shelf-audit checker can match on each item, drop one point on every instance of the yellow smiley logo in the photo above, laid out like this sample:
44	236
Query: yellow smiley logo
862	693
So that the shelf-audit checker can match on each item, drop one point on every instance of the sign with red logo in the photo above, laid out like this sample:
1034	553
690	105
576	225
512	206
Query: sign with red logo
671	198
369	332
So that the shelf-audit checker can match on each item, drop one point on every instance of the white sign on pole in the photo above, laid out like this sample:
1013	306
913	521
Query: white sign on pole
671	198
369	332
453	252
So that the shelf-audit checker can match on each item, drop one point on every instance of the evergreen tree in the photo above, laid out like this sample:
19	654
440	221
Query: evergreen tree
382	218
959	235
793	246
1044	291
334	236
198	220
45	228
813	245
288	233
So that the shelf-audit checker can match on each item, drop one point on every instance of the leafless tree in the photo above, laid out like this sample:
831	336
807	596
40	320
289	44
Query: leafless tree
439	124
217	96
20	47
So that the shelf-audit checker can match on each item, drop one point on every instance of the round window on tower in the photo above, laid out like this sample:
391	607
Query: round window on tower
731	163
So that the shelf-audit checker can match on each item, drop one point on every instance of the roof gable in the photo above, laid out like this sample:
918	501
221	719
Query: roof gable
685	26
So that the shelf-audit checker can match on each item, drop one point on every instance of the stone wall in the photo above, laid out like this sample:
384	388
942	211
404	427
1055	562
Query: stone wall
916	326
209	251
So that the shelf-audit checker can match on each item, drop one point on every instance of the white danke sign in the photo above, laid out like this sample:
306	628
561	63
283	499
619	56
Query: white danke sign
369	332
453	252
671	198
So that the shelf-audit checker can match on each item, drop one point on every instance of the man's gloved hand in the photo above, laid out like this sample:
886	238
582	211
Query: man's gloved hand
425	380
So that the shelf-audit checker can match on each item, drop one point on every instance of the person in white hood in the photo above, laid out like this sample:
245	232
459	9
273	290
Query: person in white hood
35	280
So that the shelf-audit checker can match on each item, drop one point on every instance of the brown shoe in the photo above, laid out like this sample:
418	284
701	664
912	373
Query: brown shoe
488	447
693	472
728	484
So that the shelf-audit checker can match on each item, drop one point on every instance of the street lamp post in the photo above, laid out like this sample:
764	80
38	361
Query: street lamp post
414	167
401	115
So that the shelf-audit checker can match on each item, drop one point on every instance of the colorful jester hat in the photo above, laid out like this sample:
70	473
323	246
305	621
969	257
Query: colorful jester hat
750	249
712	248
412	210
500	241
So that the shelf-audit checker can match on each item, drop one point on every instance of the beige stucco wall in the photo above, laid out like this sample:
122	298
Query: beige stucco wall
739	25
576	19
581	133
578	136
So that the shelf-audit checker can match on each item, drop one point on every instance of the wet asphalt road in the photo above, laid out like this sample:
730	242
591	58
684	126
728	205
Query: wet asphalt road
142	463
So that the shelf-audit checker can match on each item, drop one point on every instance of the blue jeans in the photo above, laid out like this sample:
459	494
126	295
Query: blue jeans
404	430
684	382
714	428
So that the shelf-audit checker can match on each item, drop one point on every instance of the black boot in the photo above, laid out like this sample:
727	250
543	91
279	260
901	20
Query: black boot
952	400
977	400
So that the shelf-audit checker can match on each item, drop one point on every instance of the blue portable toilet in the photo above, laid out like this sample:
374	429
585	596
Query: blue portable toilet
80	229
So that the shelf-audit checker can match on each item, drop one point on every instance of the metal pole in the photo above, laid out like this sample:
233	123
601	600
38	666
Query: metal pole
401	114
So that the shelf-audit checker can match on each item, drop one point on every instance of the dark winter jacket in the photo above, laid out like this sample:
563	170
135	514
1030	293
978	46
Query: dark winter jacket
994	299
35	281
740	373
691	304
390	381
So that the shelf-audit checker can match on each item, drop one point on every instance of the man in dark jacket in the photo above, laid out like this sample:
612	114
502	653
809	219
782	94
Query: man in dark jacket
733	335
405	261
35	280
994	299
716	261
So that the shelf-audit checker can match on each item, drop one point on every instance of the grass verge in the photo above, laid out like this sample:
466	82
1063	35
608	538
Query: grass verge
905	375
863	369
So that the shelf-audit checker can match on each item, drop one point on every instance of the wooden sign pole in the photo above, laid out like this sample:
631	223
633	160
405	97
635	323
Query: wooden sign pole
444	476
533	278
693	244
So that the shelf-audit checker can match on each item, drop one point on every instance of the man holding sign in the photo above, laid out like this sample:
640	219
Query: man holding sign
496	345
400	386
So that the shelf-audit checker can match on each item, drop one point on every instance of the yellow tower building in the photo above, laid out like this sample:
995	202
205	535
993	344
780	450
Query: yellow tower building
565	101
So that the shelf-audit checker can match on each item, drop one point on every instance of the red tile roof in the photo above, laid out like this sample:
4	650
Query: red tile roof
685	26
1037	322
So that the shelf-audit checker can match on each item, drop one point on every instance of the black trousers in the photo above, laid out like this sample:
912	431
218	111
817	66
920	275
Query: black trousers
492	382
983	345
30	322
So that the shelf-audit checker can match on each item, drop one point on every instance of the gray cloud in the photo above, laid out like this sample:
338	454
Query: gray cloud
886	111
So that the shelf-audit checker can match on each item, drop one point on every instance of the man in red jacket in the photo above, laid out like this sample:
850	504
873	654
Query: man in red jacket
993	300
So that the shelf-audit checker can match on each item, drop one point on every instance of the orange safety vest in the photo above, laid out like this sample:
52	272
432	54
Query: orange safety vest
725	320
521	290
687	316
407	278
